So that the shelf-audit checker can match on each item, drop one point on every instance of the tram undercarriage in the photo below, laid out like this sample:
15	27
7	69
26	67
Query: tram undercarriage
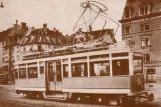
91	98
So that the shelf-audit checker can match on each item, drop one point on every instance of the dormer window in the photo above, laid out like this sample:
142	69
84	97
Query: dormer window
128	12
144	9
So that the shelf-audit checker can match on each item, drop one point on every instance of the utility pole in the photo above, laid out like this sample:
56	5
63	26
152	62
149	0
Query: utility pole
10	57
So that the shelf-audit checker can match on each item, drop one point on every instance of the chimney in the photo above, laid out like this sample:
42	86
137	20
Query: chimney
44	26
80	29
23	25
15	25
54	29
16	22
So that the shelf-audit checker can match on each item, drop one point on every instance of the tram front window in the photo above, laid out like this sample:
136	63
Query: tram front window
120	67
137	65
32	72
100	68
79	70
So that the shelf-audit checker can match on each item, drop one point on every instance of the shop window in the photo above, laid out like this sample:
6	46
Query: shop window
22	73
100	68
137	65
32	72
151	75
120	67
79	70
144	27
145	42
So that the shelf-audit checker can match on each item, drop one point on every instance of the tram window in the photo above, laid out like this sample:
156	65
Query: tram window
22	73
65	71
58	71
100	68
42	71
79	70
51	72
32	72
137	65
16	73
120	67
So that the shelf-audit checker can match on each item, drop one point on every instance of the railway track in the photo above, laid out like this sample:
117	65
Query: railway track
8	98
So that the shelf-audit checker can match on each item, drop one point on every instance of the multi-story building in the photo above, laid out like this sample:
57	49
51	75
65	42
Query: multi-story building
20	40
141	27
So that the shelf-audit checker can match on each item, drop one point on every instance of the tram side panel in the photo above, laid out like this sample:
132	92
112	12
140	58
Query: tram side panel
97	85
104	85
24	85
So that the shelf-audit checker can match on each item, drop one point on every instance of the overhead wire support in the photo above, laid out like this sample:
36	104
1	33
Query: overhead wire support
99	9
109	19
79	18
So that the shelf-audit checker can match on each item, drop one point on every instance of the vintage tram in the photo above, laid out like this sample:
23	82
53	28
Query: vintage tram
99	73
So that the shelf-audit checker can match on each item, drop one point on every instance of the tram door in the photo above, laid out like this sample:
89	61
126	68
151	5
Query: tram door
54	77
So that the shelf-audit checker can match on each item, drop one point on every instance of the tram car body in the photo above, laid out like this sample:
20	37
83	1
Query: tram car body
100	73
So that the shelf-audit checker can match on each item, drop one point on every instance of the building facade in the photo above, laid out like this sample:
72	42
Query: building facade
21	39
141	27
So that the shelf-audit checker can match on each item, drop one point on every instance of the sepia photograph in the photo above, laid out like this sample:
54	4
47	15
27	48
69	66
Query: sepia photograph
80	53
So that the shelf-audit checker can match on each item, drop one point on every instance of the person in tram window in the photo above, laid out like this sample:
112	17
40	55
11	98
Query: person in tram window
117	68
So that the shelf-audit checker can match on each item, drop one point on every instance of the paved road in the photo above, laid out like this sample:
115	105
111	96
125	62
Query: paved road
8	98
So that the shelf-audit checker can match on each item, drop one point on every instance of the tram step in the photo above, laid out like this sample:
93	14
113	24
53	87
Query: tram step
57	96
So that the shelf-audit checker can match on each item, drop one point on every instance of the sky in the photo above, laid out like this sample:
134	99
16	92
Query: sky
59	14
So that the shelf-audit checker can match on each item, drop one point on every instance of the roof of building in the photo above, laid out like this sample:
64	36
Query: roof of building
97	34
44	36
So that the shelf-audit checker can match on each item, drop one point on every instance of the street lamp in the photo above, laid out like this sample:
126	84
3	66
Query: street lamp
1	5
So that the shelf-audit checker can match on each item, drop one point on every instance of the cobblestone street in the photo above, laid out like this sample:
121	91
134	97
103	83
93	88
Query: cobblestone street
8	98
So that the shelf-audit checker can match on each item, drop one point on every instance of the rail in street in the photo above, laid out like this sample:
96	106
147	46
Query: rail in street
8	98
